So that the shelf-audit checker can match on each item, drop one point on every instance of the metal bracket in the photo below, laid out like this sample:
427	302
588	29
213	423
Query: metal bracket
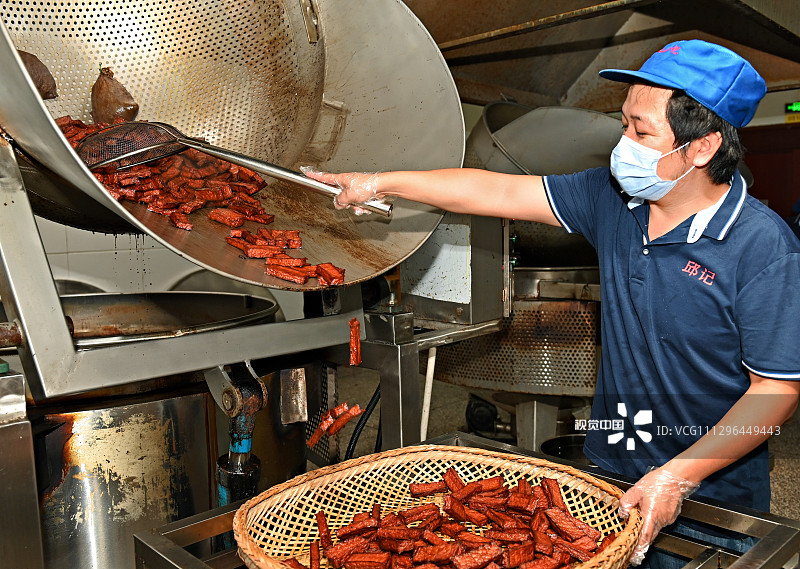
294	405
225	394
311	19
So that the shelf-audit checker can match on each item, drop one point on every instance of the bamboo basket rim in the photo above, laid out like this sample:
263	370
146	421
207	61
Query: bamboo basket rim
614	557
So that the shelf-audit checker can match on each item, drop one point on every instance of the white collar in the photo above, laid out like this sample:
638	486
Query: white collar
700	221
702	217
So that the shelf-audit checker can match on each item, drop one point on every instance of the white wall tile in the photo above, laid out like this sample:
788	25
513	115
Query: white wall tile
54	235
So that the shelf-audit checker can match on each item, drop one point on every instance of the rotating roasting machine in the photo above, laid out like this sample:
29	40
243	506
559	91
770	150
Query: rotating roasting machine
111	414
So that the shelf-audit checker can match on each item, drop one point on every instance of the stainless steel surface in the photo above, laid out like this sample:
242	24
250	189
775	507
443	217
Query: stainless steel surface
373	93
140	142
578	282
101	319
548	347
115	471
20	529
53	365
456	276
777	545
436	338
294	404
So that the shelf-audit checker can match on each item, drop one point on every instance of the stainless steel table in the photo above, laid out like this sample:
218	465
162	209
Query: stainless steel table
777	546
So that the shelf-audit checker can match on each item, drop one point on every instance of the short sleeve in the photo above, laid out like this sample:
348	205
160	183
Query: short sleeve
577	200
768	313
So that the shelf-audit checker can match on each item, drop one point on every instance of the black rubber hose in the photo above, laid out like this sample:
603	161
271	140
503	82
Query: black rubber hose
362	421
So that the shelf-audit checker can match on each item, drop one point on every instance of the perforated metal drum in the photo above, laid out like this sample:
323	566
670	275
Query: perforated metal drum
325	83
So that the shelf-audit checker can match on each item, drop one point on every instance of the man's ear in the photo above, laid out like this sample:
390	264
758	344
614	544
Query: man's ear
705	148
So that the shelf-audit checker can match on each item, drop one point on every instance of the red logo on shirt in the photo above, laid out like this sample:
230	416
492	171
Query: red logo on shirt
673	49
694	269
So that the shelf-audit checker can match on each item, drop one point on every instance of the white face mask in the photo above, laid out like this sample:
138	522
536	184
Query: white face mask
635	168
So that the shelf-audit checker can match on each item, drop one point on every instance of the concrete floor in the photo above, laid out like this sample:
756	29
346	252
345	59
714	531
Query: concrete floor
447	414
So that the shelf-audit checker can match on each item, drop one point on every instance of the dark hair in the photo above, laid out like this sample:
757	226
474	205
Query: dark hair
690	120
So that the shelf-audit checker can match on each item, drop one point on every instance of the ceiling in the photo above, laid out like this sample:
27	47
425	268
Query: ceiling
548	52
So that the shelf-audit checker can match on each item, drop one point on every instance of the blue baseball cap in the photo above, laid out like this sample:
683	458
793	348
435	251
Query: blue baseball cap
712	75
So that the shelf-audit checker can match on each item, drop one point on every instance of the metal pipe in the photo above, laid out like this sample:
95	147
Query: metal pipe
547	22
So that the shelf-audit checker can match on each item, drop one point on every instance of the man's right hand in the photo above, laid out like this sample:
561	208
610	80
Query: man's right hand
357	187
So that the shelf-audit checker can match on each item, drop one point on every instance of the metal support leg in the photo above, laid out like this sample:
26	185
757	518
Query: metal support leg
390	349
20	529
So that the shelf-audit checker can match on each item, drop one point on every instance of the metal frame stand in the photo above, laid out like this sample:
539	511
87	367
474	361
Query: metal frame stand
21	543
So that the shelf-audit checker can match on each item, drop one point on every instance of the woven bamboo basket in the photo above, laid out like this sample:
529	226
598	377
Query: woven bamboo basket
280	523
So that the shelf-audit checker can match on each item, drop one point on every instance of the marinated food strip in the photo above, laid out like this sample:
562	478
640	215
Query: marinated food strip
368	560
553	491
357	528
569	526
417	513
437	553
324	533
287	274
419	489
355	340
314	555
453	480
337	554
543	562
478	558
519	554
400	533
344	418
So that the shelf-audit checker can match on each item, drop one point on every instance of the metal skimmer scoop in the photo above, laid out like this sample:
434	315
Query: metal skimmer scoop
138	142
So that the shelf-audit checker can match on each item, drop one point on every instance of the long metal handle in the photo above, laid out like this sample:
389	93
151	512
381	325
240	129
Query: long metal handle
281	173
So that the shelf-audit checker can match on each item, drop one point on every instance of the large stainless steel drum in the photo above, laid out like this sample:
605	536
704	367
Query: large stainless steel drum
331	84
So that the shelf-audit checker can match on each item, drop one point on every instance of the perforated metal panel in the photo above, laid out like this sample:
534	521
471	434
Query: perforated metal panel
202	66
547	347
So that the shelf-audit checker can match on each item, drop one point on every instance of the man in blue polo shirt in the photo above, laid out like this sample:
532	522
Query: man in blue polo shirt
700	314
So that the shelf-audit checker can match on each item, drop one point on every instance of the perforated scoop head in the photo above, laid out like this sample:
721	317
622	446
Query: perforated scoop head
129	144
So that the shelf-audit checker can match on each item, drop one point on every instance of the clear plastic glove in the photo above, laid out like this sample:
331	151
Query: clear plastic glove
659	495
357	187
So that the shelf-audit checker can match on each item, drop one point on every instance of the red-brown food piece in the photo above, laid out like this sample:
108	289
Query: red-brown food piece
337	554
226	217
313	555
516	555
357	528
330	273
417	513
542	542
418	489
344	418
452	479
455	509
573	550
400	533
478	558
437	553
553	491
180	220
570	527
287	273
324	533
543	562
355	340
368	560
